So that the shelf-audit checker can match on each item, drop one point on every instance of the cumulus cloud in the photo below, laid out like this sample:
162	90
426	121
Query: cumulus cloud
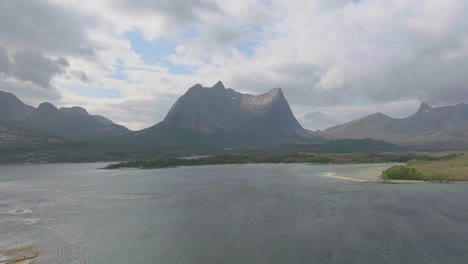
32	66
177	11
80	75
29	93
316	120
39	25
4	62
341	58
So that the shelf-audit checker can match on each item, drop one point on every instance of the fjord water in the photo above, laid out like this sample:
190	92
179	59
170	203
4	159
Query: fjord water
229	214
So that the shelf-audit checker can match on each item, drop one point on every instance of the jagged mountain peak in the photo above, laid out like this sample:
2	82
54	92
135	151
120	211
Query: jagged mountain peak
439	125
195	87
275	90
219	85
273	94
217	110
424	107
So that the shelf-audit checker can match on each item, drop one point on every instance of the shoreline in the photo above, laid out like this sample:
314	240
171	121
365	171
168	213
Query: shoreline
381	181
240	164
19	255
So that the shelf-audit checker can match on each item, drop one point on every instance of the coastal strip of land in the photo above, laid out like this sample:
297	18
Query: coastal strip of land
303	158
444	168
381	181
433	167
22	255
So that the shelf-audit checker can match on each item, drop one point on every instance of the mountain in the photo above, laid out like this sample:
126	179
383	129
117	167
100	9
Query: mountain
218	116
338	146
438	128
73	122
17	136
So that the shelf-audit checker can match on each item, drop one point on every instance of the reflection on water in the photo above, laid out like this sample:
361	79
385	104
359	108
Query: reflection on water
229	214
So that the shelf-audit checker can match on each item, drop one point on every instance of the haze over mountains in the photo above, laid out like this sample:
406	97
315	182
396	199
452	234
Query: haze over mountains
14	135
438	127
74	122
220	117
213	116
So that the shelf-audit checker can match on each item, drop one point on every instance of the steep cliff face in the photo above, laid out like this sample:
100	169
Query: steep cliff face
217	109
228	117
204	110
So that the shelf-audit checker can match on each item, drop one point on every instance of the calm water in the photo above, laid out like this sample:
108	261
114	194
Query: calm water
229	214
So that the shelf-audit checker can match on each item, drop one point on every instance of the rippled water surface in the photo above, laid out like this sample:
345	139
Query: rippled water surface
229	214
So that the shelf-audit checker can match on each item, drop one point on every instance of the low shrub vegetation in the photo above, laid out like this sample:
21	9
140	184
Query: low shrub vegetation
402	173
441	167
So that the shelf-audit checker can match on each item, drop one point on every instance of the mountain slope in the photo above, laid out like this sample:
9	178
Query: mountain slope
441	127
17	136
74	122
218	116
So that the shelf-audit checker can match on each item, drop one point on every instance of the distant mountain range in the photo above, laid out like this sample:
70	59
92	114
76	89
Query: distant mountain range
73	122
218	117
429	128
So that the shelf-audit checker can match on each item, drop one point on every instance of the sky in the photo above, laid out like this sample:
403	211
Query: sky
336	60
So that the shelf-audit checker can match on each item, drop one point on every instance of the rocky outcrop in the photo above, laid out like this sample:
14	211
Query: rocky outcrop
224	115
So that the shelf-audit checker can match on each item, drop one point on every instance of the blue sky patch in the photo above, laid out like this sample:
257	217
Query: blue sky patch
118	73
157	52
246	47
93	92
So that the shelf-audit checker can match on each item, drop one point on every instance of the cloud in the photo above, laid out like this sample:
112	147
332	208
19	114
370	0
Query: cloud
39	25
5	65
316	120
177	11
341	58
34	67
29	93
80	75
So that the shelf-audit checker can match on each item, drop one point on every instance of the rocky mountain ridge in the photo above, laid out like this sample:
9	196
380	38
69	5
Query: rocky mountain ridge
74	122
221	116
438	126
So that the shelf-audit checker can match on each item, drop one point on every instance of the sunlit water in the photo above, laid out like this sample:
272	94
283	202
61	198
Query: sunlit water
229	214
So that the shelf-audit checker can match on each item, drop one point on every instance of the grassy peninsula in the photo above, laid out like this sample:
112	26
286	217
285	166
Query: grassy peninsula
442	167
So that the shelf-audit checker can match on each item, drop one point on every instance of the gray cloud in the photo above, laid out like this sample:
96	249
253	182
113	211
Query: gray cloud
178	11
39	25
410	51
317	121
34	67
28	92
297	81
30	30
4	62
224	34
83	77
